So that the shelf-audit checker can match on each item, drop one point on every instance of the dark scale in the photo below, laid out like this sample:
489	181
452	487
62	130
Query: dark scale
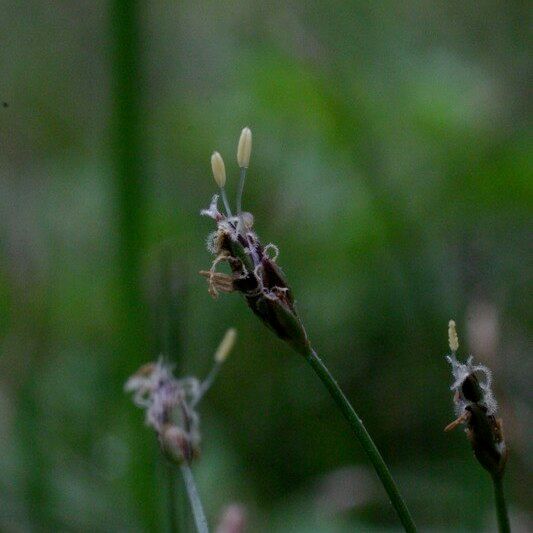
471	389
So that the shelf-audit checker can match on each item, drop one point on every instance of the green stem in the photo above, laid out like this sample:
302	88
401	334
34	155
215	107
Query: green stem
501	506
207	382
240	190
364	438
127	149
225	201
127	145
196	504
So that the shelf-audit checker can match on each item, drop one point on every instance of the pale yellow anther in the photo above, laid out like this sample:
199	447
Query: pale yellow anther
453	339
219	170
226	345
245	148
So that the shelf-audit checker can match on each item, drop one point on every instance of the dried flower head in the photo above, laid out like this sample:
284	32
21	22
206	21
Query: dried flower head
254	270
170	403
475	406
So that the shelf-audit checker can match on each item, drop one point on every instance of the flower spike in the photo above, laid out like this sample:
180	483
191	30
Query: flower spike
170	402
475	406
255	274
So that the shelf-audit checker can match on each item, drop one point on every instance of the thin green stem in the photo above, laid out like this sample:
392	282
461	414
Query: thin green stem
196	504
364	438
240	190
127	145
207	382
126	157
225	201
501	507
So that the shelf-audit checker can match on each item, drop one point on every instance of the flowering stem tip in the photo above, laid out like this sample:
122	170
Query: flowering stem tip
244	150
170	410
256	275
475	407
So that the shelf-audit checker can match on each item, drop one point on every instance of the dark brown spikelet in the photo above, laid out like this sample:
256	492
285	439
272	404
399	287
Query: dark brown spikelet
262	283
277	310
471	390
269	296
476	407
486	437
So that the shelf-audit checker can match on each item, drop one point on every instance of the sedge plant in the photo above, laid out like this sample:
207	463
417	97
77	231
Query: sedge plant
171	411
475	407
256	275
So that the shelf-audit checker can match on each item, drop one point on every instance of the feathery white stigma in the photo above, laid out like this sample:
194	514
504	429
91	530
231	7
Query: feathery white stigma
245	148
226	345
219	170
453	339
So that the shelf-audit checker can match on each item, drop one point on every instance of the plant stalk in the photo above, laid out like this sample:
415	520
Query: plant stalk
196	504
501	506
364	438
240	190
207	382
126	158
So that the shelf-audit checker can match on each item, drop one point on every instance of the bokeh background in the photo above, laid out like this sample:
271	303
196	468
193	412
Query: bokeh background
392	167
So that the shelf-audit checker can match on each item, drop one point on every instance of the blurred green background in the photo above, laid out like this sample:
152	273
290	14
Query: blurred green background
392	167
